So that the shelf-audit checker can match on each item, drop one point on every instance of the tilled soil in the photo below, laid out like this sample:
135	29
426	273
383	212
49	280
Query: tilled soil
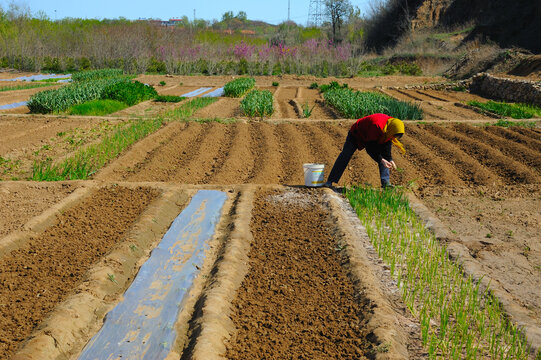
263	153
19	203
297	300
42	273
33	139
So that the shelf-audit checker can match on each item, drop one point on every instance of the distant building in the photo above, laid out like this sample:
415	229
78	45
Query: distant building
172	22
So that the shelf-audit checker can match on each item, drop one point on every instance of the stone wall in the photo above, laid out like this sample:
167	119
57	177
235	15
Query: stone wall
522	91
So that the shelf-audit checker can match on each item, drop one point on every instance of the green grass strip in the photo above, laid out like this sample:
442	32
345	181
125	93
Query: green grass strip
97	107
508	124
24	87
187	110
515	111
458	320
89	160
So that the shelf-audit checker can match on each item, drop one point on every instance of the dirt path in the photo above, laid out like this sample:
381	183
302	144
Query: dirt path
297	300
41	274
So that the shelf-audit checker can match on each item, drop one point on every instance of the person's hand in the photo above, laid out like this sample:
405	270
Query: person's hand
388	164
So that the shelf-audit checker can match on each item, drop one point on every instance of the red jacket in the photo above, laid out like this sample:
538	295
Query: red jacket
369	129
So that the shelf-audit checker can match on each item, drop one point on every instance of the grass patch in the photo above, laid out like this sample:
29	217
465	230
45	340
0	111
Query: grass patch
515	111
97	107
24	87
458	319
187	110
88	161
169	98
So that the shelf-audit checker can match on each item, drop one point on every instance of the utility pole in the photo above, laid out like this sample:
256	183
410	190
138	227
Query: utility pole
288	10
194	16
315	13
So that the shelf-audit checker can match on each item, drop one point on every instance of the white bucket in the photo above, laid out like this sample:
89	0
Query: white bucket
313	174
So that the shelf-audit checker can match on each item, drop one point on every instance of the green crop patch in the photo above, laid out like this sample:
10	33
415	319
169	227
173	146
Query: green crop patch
96	74
238	87
130	93
512	110
258	103
458	319
169	98
356	104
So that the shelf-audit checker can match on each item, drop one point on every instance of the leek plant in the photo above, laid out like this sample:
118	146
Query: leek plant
458	320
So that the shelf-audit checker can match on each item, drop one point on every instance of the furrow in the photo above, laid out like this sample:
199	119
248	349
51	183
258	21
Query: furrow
266	150
169	158
525	139
294	153
235	163
468	169
510	170
519	152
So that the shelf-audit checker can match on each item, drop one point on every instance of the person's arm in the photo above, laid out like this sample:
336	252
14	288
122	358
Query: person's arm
386	156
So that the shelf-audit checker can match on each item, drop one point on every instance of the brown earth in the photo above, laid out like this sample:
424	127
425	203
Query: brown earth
439	158
296	300
29	139
21	202
41	274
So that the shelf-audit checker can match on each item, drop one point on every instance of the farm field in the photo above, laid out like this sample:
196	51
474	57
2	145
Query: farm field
289	271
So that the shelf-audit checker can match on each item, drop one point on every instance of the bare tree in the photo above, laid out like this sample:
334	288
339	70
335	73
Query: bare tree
337	11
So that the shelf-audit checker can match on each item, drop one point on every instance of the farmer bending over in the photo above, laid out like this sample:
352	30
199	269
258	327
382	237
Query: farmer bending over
376	133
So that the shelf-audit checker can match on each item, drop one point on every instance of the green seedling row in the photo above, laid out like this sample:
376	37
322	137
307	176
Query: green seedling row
355	104
24	87
87	161
96	74
239	87
258	103
459	320
186	111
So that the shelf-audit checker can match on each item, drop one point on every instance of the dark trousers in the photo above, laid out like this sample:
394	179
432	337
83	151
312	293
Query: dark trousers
343	159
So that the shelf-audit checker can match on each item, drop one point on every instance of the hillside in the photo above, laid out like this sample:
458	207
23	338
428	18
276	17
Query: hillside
508	23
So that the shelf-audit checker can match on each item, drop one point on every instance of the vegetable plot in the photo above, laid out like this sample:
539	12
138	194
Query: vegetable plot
258	103
238	87
355	104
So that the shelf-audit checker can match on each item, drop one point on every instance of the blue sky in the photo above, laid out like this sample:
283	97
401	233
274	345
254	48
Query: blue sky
274	11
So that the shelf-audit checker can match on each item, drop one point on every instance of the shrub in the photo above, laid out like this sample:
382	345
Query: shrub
355	104
313	86
258	103
130	93
238	87
162	83
275	83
